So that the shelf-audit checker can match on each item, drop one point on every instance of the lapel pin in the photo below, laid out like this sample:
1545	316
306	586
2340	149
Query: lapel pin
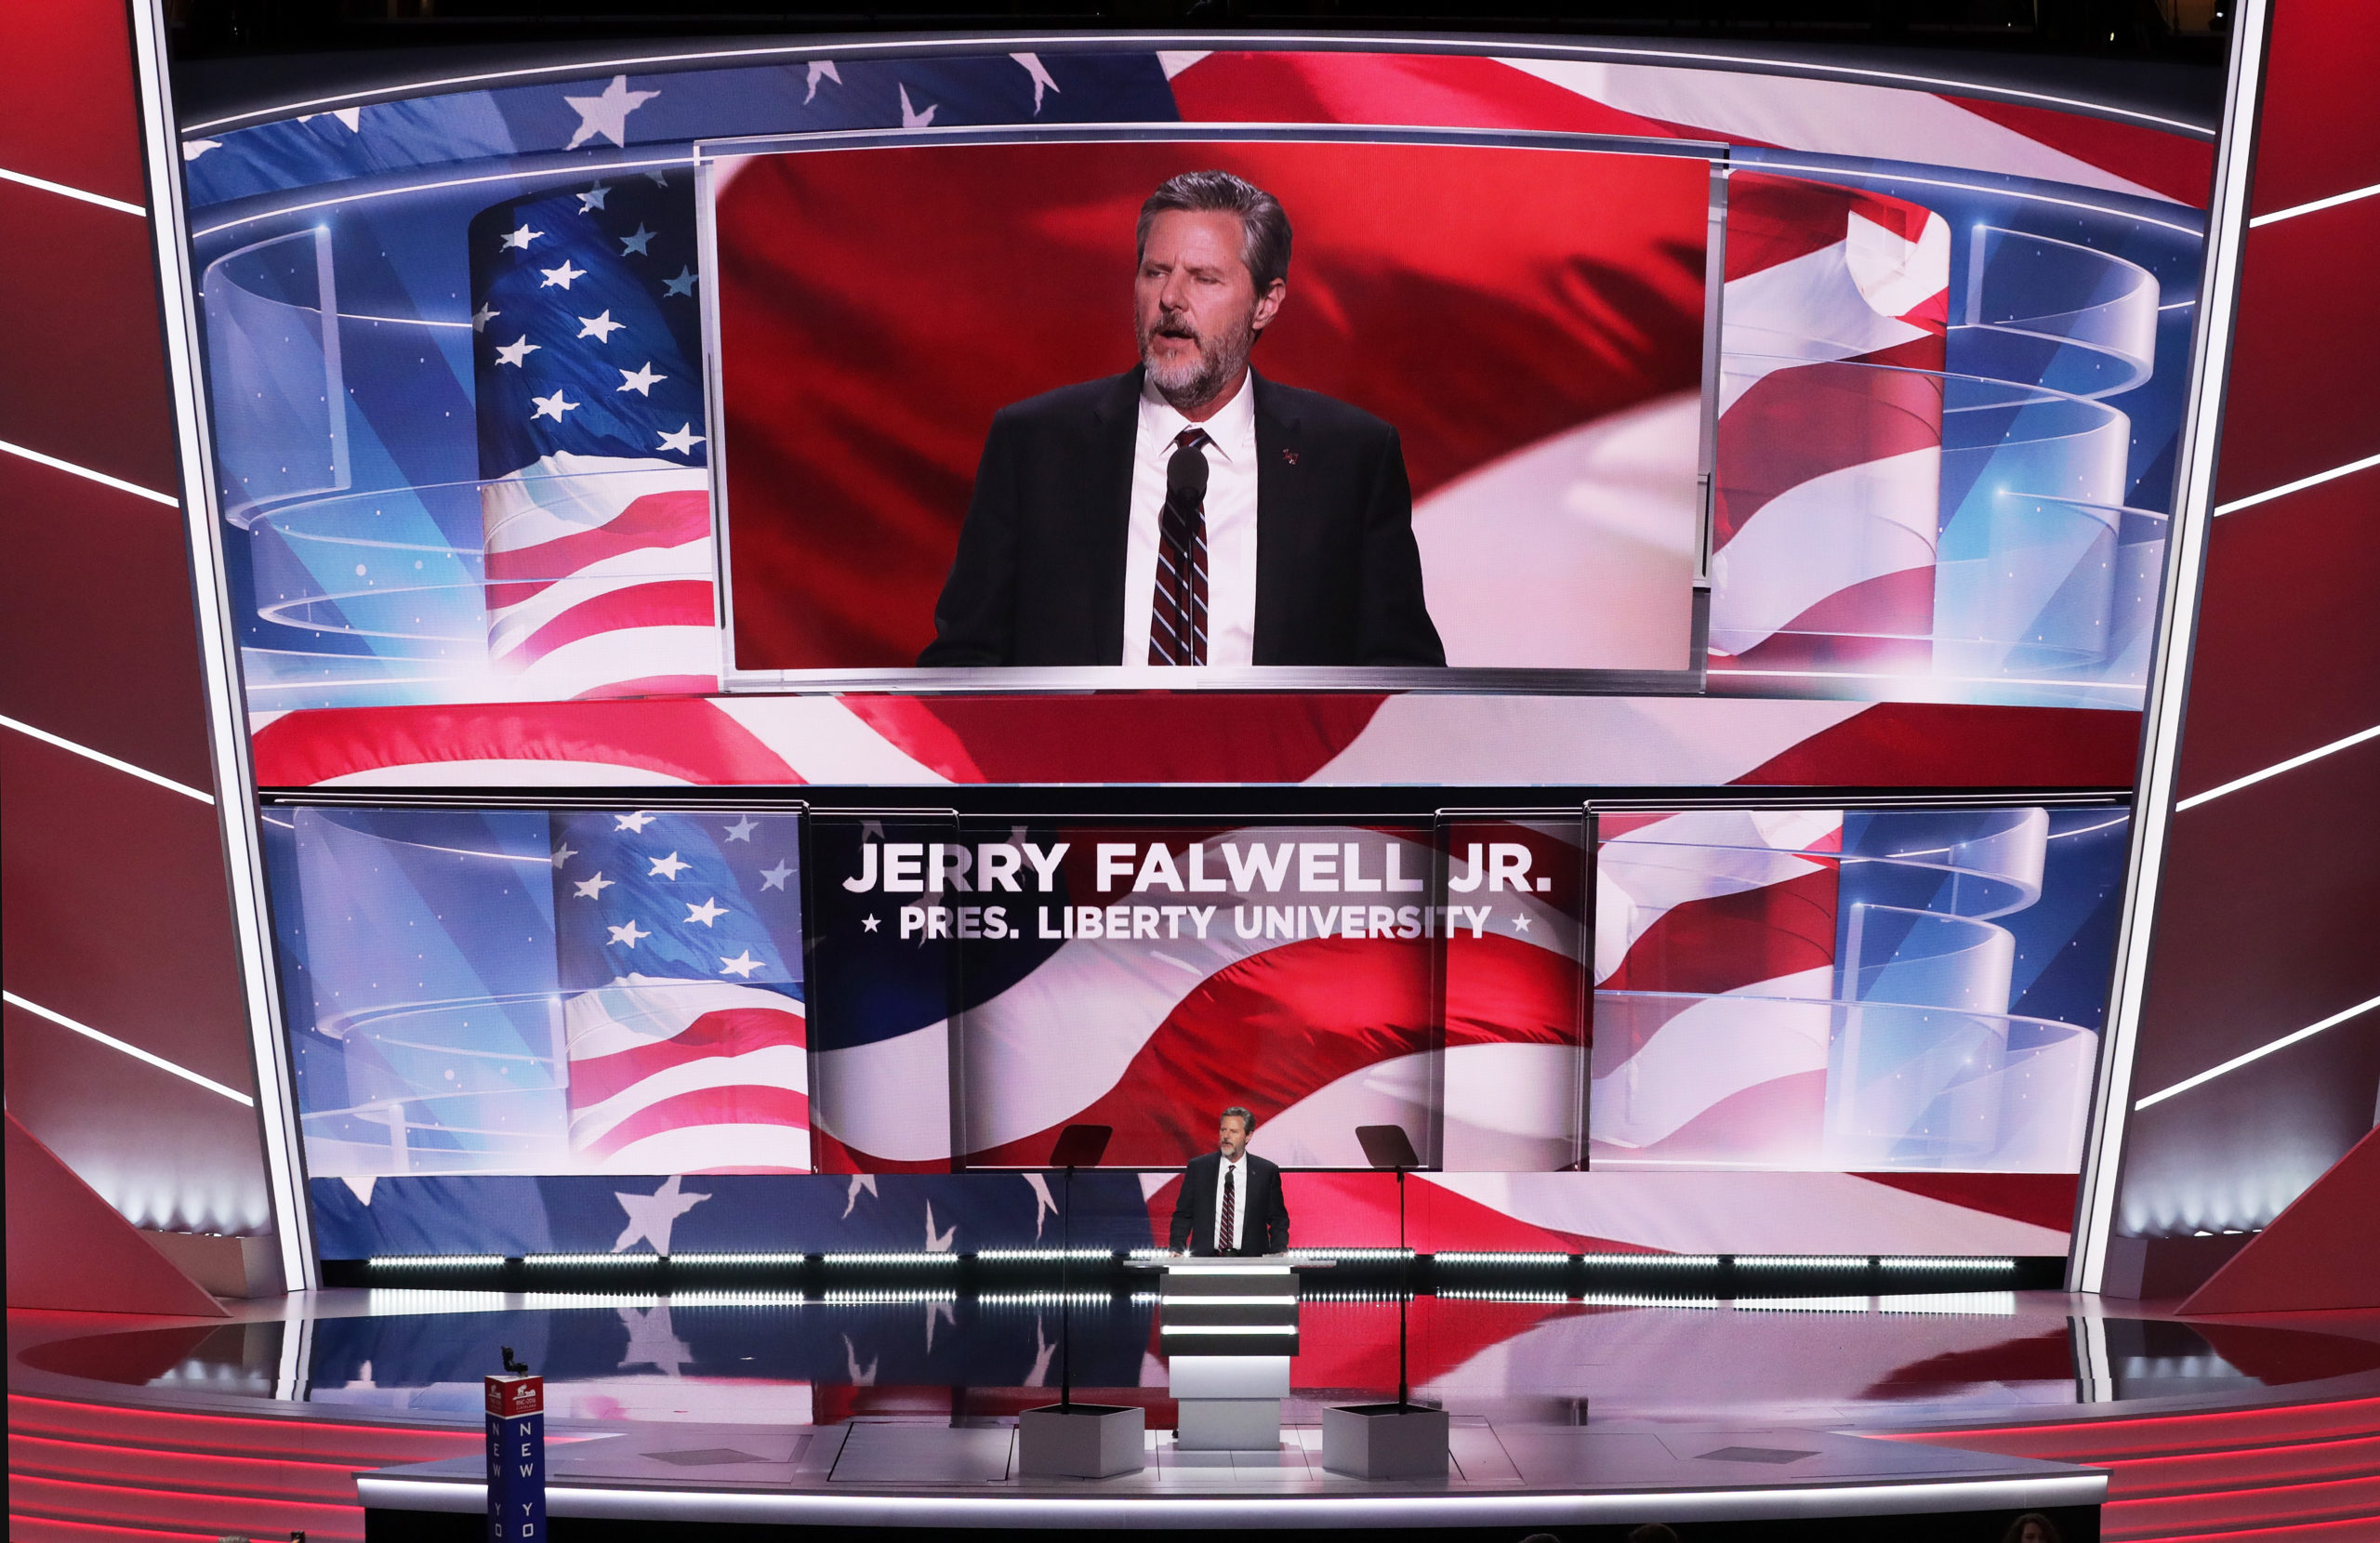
1291	457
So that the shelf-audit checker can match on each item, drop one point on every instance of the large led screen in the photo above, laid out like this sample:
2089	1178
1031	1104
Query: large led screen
529	1030
529	992
466	432
1867	991
952	373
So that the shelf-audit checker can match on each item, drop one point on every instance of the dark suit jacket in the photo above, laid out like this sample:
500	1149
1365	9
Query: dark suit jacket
1265	1229
1039	574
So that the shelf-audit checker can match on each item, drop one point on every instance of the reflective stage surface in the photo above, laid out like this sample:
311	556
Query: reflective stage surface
892	1409
1850	1361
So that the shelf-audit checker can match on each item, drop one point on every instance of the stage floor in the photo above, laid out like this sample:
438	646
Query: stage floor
1861	1363
899	1409
1516	1477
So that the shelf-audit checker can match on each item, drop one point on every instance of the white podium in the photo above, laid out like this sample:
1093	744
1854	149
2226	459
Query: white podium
1229	1326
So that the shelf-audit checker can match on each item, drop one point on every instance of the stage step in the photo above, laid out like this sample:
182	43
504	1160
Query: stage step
2295	1474
88	1472
2293	1463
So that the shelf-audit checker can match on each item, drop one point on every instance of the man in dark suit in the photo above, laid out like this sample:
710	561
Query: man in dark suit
1190	511
1230	1202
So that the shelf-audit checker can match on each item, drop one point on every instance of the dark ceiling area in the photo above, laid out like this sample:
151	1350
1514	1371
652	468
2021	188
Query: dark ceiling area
2157	55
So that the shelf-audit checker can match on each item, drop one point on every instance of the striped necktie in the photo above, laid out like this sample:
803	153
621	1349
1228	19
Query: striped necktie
1227	1232
1177	613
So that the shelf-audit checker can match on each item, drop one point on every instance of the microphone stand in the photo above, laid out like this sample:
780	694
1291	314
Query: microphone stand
1066	1297
1403	1295
1078	1146
1066	1440
1387	1146
1389	1441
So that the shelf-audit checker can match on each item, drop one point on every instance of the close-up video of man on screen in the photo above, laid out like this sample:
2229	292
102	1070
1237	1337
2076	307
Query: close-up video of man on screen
1190	511
1472	434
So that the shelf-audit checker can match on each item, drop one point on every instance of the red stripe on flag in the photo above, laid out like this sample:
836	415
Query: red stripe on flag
687	739
734	1032
670	602
1273	1028
1264	1031
1414	89
2173	165
1729	941
1501	991
1807	420
745	1103
1773	220
828	1155
1120	737
657	519
2043	1199
1955	744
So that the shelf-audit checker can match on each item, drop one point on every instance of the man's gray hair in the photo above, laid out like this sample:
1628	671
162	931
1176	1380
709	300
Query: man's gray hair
1264	228
1247	1120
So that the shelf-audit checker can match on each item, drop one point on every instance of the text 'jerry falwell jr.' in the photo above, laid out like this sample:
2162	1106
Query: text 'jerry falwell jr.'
944	870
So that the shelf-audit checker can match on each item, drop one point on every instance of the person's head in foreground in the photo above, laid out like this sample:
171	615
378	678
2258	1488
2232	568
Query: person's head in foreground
2031	1527
1235	1128
1214	262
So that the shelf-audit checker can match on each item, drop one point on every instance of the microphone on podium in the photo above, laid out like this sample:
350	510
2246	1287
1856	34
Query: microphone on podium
1185	480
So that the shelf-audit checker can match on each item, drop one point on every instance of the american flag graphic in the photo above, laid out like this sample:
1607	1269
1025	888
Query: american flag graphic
1597	97
543	739
678	1043
683	1005
1811	989
1692	909
596	581
595	502
1342	739
1827	499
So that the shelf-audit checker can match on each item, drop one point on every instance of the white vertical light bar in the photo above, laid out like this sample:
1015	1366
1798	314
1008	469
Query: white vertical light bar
2094	1370
219	651
2161	727
294	1382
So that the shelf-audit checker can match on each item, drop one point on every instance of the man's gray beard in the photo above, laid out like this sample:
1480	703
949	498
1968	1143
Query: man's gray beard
1188	387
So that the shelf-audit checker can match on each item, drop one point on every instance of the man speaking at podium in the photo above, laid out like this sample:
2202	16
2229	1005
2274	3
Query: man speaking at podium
1231	1203
1190	511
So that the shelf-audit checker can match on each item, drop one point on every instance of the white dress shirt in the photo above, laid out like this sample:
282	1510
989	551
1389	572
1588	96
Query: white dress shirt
1238	1191
1231	524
